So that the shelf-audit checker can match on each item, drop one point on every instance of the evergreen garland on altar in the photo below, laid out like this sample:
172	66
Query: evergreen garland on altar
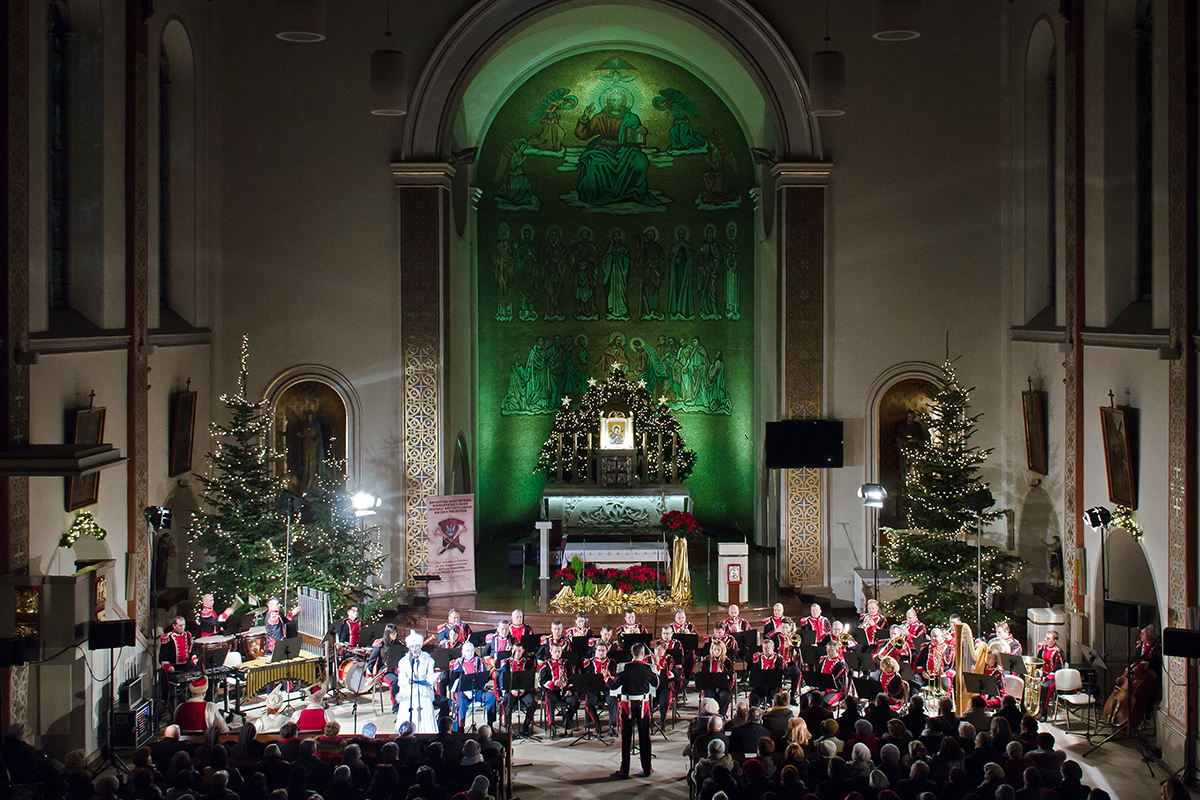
650	416
937	554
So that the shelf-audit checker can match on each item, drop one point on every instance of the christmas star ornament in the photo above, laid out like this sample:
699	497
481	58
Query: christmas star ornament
591	382
641	384
566	401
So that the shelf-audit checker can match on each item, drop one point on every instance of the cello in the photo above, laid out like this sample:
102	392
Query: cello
1133	693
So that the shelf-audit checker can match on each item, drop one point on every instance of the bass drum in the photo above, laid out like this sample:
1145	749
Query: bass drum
1033	685
352	677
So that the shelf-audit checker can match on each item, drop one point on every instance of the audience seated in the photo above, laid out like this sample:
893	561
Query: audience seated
744	738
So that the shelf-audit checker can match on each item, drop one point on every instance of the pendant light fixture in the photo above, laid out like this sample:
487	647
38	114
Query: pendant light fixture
895	20
300	20
826	78
389	91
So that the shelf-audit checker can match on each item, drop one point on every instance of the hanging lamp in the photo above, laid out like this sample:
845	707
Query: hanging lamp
895	20
300	20
389	90
826	78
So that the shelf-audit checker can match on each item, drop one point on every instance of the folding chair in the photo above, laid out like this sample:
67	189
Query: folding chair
1068	684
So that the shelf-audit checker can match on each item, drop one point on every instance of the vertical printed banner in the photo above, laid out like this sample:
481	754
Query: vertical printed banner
451	532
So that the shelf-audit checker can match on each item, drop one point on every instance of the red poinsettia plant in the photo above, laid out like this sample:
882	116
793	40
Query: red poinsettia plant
681	523
631	579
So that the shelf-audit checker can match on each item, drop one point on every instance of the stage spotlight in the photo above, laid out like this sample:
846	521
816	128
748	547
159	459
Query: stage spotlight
157	517
1097	518
979	500
872	495
365	504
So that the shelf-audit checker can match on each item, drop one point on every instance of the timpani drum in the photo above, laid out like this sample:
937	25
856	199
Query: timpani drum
207	644
253	643
1033	685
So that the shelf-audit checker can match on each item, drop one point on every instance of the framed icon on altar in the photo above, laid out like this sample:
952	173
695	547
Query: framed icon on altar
616	432
733	573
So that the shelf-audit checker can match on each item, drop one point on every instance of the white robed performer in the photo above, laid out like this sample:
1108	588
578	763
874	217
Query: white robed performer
415	680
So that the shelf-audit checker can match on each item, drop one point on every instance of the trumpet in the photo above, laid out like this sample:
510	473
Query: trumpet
897	642
845	639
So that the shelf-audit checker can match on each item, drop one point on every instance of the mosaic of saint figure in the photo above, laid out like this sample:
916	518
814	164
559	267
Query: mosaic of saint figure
504	263
730	260
612	168
652	260
682	137
529	278
550	133
515	193
710	271
585	263
613	355
720	189
616	275
682	263
556	268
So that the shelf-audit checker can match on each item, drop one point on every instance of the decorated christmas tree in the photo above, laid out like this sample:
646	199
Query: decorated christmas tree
651	415
243	536
937	554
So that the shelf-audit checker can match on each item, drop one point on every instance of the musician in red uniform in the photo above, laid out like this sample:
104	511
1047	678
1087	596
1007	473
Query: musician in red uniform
1004	634
519	629
1052	660
834	663
498	644
817	623
453	622
895	687
211	623
718	663
934	661
681	625
555	677
175	649
735	624
992	667
470	664
556	637
196	714
772	623
631	626
873	623
348	633
913	627
669	679
766	659
580	628
605	638
721	634
601	665
790	655
276	623
672	646
377	662
895	646
517	698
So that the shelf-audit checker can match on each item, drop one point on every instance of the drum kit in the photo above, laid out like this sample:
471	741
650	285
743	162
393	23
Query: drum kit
352	670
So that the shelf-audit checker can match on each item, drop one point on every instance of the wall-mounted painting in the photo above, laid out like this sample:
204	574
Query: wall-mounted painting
1033	404
1118	424
183	427
84	426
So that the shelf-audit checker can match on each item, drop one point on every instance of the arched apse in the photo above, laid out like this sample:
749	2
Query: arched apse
615	227
334	405
905	386
177	273
1037	528
1130	581
498	44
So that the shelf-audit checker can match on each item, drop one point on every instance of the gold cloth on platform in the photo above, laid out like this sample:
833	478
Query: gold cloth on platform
260	672
681	575
608	600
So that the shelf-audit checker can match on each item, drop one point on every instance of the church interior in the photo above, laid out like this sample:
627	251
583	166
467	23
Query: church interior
583	264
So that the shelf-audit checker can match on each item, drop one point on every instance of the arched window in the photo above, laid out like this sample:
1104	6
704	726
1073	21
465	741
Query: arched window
1144	128
177	262
1041	167
57	71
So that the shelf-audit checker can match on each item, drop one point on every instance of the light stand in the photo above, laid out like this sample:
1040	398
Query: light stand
159	519
873	495
1097	519
979	501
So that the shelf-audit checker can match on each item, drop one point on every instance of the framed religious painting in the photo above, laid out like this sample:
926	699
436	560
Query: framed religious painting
1117	425
183	428
84	426
1033	404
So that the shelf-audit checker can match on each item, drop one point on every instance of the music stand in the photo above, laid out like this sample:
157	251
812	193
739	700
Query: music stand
809	656
214	658
396	652
860	636
821	681
1013	664
470	685
704	650
581	646
1091	656
370	633
628	640
808	637
860	662
769	680
574	658
582	685
710	683
479	638
521	681
688	641
906	671
443	656
748	643
978	683
286	650
532	643
868	688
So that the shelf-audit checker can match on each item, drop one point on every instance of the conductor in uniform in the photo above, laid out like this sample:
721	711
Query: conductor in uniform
634	683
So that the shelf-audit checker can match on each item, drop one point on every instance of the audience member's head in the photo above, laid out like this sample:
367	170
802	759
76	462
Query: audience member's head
966	731
993	772
829	727
308	748
863	729
351	754
860	753
289	730
716	748
272	751
889	754
1014	749
1072	772
1045	741
919	771
978	701
877	780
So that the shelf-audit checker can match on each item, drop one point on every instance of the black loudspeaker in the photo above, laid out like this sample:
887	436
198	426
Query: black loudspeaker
12	651
810	443
1181	642
109	635
1128	615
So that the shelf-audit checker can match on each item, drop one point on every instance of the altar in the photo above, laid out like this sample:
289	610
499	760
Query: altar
617	555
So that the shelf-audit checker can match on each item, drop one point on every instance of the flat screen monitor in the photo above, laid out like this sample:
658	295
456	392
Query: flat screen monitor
811	443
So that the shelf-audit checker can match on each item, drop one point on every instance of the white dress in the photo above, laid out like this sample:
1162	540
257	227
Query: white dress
420	690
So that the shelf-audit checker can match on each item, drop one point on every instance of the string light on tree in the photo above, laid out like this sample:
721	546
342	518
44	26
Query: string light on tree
83	525
937	551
